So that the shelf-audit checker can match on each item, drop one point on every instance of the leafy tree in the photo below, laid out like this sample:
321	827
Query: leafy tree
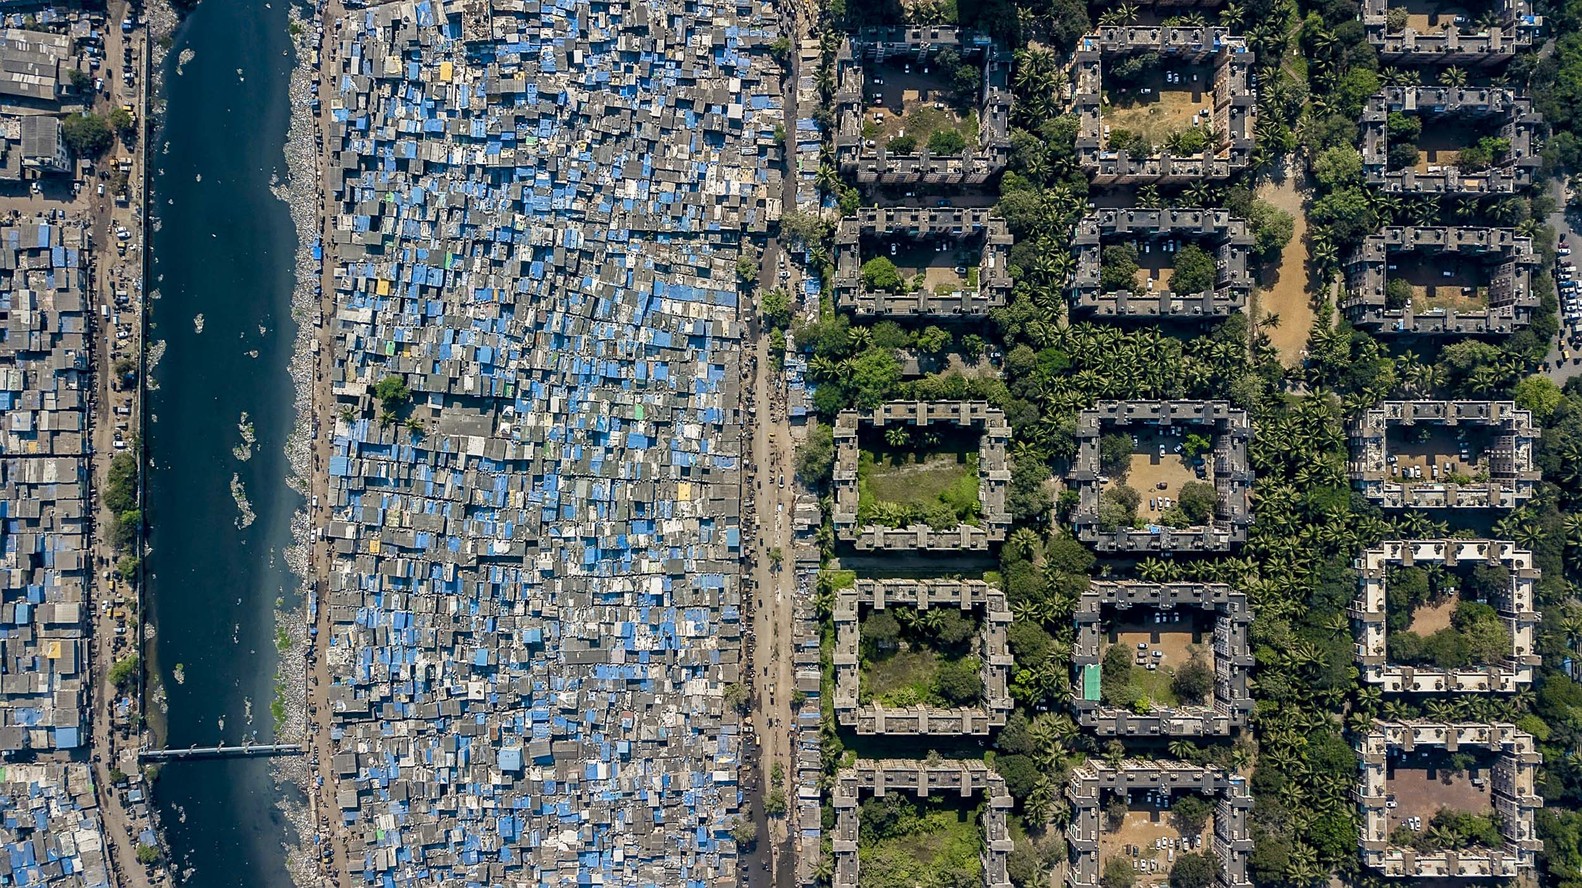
1338	167
955	629
747	270
1118	508
933	340
775	802
1022	774
1115	454
80	80
1348	213
1026	497
1194	270
1193	682
1197	501
744	831
1397	294
959	682
1540	395
1195	870
392	392
905	144
815	457
122	121
147	855
1118	873
1272	229
87	135
879	273
947	142
1115	676
124	671
1191	812
775	308
881	634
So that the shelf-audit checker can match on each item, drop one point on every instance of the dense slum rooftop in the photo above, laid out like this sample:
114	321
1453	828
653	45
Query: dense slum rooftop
43	456
50	830
533	602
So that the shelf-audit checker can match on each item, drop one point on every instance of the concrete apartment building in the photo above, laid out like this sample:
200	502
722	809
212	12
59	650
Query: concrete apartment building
1453	118
1516	607
1232	839
869	160
934	242
975	596
1437	38
994	475
1490	269
1231	703
962	778
1231	104
1444	454
1227	468
1509	787
1216	231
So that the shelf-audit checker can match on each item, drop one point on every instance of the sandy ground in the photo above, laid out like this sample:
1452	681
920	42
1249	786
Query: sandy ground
1144	824
1422	792
1434	615
1283	292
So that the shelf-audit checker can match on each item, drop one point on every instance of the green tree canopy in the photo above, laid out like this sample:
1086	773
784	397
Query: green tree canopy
1194	270
87	135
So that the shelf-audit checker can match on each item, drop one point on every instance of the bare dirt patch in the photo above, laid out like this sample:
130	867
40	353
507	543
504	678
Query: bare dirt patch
1421	792
1432	616
1158	114
1157	477
1137	840
1282	290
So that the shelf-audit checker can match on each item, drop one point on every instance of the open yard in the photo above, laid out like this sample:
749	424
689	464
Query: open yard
1429	16
1443	138
1441	282
1159	644
1282	289
1162	100
1158	476
906	841
1421	785
909	101
1150	838
901	679
943	264
1423	454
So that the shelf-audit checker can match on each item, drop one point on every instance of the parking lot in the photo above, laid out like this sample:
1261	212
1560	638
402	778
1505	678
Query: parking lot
1159	469
1150	839
1433	453
1420	785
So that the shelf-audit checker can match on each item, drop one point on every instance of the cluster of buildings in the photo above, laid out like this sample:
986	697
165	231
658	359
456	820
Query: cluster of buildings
533	597
1225	237
50	825
1450	37
1225	466
1444	454
994	476
1492	295
52	63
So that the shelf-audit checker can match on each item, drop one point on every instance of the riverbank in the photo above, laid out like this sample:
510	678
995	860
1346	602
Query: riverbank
302	194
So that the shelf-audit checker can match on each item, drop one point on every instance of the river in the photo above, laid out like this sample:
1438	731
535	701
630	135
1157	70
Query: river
222	252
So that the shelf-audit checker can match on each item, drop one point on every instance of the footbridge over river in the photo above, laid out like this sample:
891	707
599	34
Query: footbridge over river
245	750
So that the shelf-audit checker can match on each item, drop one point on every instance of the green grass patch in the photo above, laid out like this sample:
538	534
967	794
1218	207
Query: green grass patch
931	843
938	489
901	679
1155	685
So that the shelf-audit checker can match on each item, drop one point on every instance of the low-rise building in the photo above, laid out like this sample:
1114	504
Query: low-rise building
961	254
1502	126
1224	465
1442	282
32	66
1446	34
975	596
879	777
910	58
1157	233
1507	784
1444	454
1515	607
994	475
1220	89
1158	609
1232	837
43	145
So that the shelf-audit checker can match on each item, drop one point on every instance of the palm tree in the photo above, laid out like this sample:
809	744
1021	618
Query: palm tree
897	436
1148	196
1183	749
1453	77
